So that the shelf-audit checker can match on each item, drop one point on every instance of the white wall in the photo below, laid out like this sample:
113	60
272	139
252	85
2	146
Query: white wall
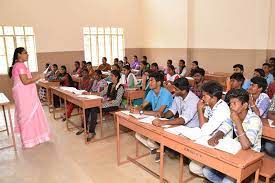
58	23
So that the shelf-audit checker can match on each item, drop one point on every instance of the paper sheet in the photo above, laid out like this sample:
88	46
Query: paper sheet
45	72
90	96
270	123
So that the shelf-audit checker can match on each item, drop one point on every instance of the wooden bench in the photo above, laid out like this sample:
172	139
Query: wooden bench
268	168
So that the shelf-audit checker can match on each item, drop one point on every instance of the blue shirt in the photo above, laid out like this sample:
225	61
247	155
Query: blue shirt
269	78
163	98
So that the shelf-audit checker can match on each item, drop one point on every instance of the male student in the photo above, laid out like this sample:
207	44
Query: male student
184	104
237	68
258	100
269	146
268	76
212	111
160	100
198	75
246	125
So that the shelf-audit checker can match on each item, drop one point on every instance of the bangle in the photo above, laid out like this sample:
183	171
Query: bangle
241	135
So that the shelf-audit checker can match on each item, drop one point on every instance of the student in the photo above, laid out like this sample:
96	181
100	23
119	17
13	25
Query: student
236	81
154	67
144	58
84	84
130	78
258	100
83	65
104	66
125	61
90	69
184	104
246	125
135	63
98	83
212	112
171	75
268	76
237	68
168	63
269	146
271	88
257	72
116	61
182	70
271	61
77	69
52	76
144	66
120	64
113	94
198	75
160	100
195	65
116	67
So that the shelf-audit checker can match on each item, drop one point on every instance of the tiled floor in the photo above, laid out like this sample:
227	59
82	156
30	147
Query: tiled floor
67	159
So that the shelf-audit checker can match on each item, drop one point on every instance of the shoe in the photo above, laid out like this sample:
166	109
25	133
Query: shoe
153	151
173	154
90	136
79	132
157	158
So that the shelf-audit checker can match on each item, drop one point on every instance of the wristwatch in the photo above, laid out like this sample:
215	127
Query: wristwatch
141	112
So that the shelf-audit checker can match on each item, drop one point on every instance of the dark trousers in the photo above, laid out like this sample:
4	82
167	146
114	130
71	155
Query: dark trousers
91	117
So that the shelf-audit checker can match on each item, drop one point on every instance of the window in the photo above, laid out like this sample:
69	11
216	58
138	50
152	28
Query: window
103	42
12	37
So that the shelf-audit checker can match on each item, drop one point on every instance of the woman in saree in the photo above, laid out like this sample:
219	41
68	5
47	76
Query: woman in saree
30	120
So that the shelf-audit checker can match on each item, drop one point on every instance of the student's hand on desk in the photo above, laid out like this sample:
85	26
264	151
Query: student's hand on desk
86	93
157	122
134	110
213	141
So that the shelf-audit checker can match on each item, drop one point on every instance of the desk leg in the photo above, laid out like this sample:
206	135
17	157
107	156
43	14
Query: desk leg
181	169
67	123
12	134
53	105
101	125
85	125
48	99
6	122
161	163
256	180
117	141
137	147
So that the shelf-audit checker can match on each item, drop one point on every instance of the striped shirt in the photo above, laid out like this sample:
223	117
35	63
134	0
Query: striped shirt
262	104
252	126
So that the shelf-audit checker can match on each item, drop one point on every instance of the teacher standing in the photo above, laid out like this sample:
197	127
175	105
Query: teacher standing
30	120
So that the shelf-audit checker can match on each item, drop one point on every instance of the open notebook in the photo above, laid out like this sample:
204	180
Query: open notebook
227	144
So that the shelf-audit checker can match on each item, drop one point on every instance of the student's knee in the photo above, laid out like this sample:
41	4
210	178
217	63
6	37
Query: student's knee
270	148
196	168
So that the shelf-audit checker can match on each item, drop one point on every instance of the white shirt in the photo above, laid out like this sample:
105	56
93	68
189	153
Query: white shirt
187	109
216	116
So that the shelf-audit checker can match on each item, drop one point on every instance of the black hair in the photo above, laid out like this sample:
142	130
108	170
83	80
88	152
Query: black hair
90	63
200	71
104	58
182	84
98	72
116	59
77	62
47	65
155	65
135	57
240	66
240	94
158	76
116	73
84	62
195	62
182	61
171	67
213	88
144	57
116	65
267	64
260	71
238	77
17	51
261	82
64	68
127	67
125	58
55	65
170	61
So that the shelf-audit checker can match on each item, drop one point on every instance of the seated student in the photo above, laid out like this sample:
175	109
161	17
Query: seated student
125	61
271	88
130	80
198	75
195	65
257	72
237	68
144	58
114	67
271	61
268	76
154	67
113	93
120	64
184	104
116	61
90	69
269	146
104	66
144	66
246	125
168	63
212	112
77	69
135	63
98	83
52	75
236	81
171	75
160	100
47	65
42	90
181	70
258	100
84	84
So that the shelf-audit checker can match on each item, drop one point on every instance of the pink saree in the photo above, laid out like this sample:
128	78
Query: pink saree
30	120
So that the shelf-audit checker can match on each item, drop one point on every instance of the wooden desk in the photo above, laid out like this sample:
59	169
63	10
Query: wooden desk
4	102
83	103
219	78
133	94
47	85
268	132
239	166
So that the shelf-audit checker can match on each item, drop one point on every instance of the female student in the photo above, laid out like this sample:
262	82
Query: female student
130	78
98	83
30	120
90	69
114	93
77	69
171	74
